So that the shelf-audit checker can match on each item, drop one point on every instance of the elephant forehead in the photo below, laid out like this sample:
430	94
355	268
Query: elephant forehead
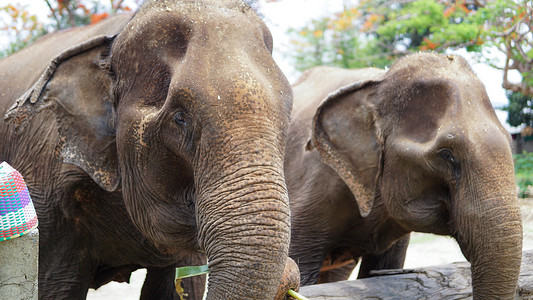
423	108
167	27
429	100
200	16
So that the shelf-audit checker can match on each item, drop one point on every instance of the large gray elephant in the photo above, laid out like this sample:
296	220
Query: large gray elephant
373	155
151	141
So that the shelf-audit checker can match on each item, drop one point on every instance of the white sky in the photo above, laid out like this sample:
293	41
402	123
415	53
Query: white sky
285	14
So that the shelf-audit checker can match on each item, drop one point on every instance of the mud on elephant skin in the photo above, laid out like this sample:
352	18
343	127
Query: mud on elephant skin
151	141
373	155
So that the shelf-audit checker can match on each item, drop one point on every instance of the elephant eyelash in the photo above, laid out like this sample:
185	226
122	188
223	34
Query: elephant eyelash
447	156
453	163
179	118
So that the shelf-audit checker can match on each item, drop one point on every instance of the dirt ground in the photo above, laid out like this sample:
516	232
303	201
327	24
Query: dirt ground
424	250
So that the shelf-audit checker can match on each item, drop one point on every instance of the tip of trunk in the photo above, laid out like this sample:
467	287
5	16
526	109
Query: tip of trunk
290	279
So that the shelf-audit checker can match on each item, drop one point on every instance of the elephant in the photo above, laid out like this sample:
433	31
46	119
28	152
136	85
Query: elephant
375	154
154	140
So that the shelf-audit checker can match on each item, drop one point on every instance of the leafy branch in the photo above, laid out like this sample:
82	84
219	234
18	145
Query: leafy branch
22	28
377	32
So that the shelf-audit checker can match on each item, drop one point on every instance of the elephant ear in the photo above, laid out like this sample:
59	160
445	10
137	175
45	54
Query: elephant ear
345	135
76	86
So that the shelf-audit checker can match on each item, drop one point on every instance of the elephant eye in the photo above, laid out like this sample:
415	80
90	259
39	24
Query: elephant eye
447	156
179	118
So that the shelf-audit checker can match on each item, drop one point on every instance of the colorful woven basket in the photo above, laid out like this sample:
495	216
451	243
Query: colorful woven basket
17	215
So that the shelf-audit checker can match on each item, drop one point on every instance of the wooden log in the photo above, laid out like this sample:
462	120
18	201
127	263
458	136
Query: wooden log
451	281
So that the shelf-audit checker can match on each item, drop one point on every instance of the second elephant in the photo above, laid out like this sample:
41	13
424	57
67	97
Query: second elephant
374	155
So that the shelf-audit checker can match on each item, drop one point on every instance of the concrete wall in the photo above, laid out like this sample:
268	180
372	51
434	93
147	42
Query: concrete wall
18	267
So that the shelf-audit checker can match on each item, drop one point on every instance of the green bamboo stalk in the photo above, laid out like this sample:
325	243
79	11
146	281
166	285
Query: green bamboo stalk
296	295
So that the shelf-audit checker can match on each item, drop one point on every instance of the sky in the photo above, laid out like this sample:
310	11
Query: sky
282	15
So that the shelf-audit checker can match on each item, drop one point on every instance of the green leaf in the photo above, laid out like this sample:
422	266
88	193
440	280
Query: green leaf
185	272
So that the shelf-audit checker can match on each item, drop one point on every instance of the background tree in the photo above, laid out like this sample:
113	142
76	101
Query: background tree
519	109
22	28
377	32
509	28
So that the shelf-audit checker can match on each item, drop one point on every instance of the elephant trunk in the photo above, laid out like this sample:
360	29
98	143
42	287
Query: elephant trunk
489	232
243	220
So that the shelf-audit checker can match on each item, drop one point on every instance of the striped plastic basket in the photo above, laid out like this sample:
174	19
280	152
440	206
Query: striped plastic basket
17	215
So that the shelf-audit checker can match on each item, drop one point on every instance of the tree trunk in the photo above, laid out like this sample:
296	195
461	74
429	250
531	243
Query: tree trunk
450	281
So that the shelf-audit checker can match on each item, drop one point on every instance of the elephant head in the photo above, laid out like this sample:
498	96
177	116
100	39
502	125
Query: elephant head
423	141
185	113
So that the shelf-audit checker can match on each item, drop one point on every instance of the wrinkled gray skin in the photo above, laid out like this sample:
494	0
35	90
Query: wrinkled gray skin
154	141
414	148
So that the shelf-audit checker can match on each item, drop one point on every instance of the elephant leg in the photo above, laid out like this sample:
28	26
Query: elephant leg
337	266
392	258
159	282
64	269
309	271
338	274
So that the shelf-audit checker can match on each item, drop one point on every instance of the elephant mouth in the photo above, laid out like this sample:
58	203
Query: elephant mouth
182	239
167	250
429	214
177	252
